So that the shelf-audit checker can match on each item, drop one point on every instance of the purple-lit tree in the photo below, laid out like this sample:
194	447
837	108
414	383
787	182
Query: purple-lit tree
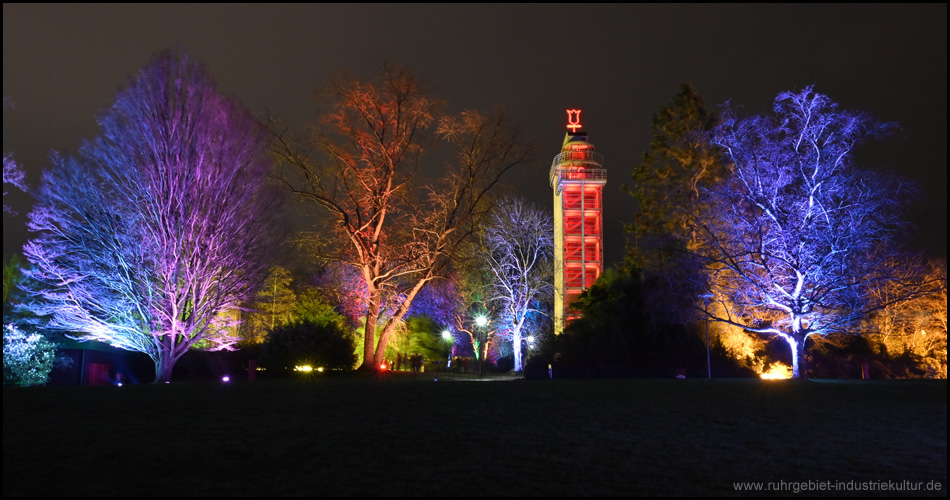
159	227
796	236
12	175
519	255
388	223
437	301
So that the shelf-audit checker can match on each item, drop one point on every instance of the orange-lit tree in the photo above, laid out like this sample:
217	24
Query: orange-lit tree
917	326
398	229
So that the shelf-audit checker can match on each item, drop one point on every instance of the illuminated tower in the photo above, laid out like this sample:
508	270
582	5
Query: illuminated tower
578	178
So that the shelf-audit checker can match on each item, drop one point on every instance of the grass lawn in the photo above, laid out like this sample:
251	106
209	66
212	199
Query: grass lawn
392	435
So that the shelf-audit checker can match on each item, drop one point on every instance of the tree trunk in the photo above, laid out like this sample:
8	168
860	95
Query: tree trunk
516	345
164	366
802	368
516	342
797	344
481	360
384	341
164	358
369	333
798	357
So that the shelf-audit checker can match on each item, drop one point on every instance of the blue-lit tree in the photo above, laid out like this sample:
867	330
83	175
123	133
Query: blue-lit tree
797	235
437	301
159	226
519	255
14	176
12	173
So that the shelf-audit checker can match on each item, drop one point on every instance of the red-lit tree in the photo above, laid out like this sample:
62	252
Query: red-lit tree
397	230
159	227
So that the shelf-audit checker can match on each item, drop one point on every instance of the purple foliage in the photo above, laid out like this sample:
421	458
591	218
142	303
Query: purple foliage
438	300
157	230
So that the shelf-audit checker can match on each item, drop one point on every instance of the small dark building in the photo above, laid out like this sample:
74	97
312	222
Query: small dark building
97	363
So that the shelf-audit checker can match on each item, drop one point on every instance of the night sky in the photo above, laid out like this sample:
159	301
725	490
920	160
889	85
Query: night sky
618	63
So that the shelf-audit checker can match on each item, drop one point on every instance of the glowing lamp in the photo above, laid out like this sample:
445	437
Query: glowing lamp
481	320
778	371
382	366
225	379
447	335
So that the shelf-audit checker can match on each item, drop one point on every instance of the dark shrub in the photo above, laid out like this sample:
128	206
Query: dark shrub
315	343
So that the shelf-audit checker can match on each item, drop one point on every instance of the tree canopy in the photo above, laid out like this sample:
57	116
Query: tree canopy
158	227
519	255
396	228
796	237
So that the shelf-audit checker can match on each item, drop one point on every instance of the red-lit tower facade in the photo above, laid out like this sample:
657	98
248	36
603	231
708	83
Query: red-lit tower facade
578	177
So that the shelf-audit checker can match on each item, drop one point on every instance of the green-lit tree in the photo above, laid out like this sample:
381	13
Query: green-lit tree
419	335
667	185
12	277
668	182
475	324
273	306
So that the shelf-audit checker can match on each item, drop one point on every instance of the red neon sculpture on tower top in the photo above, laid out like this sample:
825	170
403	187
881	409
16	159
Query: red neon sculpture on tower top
573	119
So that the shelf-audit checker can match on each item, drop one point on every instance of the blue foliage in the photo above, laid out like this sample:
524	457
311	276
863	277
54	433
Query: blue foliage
797	235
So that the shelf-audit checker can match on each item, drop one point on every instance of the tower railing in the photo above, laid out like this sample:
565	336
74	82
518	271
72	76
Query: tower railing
577	165
579	156
576	174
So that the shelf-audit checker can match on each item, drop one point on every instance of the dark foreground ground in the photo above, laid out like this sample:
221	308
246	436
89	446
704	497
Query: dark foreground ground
392	435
